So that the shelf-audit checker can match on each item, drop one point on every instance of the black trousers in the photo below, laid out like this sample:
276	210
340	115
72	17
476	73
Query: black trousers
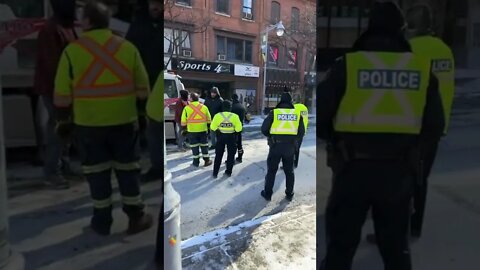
384	186
223	140
280	152
239	145
199	140
297	152
102	150
420	193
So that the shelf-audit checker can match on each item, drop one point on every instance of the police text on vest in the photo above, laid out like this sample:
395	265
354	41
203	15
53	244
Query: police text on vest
388	79
287	117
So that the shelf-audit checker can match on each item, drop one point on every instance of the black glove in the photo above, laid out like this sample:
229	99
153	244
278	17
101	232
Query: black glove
64	130
184	132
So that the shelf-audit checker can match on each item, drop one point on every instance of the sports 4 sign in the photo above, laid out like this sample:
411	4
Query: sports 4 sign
12	30
201	66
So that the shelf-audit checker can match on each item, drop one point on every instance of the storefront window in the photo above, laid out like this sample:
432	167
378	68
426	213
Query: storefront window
232	49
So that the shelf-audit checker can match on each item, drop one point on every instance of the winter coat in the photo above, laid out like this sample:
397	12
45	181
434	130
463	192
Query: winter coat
214	105
239	109
331	91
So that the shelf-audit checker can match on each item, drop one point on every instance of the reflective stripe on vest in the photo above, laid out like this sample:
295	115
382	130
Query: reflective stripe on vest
103	59
285	122
197	111
366	115
226	126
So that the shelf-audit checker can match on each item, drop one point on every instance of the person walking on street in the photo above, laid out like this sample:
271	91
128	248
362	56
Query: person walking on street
239	109
179	106
155	132
425	44
375	139
99	82
227	125
283	127
304	113
214	105
57	33
196	118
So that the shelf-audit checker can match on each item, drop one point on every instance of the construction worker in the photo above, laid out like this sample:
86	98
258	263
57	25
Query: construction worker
155	111
226	125
100	79
375	103
239	109
283	127
304	113
196	118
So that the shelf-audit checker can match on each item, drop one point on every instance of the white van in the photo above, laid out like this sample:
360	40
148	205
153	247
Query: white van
172	87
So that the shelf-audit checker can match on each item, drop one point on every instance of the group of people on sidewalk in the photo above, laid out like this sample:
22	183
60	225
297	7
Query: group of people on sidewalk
96	87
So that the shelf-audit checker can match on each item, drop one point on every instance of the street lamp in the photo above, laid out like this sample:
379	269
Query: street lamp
280	30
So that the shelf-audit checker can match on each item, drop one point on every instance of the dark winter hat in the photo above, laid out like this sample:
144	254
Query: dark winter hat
234	97
214	90
286	98
386	16
184	94
227	105
64	11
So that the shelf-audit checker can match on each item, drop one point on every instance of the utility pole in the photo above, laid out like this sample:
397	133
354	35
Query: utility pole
8	259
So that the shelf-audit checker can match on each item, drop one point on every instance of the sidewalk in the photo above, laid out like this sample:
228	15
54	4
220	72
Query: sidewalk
282	241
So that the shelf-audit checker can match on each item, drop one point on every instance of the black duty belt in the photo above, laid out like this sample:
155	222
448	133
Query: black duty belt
371	156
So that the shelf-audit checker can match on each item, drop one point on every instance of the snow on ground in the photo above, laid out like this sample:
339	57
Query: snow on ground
209	203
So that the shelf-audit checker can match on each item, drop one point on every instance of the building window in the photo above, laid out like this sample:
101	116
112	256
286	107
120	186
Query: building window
247	9
273	55
275	12
232	49
295	19
292	58
176	42
184	2
223	6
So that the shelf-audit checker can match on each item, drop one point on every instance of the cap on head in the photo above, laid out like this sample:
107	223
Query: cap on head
286	98
214	90
386	17
419	18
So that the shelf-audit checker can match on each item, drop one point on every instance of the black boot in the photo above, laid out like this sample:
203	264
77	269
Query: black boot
265	196
137	225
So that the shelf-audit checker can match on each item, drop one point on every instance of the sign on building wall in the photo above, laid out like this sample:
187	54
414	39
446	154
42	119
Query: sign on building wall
201	66
247	71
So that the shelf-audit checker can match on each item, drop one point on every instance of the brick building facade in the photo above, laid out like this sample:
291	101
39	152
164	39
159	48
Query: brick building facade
217	43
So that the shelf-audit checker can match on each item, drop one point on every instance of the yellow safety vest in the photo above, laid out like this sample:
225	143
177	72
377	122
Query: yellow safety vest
155	107
196	117
101	75
285	122
386	93
226	122
304	113
443	66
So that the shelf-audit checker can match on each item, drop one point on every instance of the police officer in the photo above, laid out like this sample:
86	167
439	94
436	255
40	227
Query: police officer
239	109
423	42
374	106
304	113
99	82
226	125
196	118
283	127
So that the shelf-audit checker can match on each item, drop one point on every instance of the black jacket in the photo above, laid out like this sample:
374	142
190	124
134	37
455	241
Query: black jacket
332	89
147	35
267	124
239	109
214	105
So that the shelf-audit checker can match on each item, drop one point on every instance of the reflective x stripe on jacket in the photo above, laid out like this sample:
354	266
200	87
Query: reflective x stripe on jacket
367	116
226	126
103	59
285	127
196	112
